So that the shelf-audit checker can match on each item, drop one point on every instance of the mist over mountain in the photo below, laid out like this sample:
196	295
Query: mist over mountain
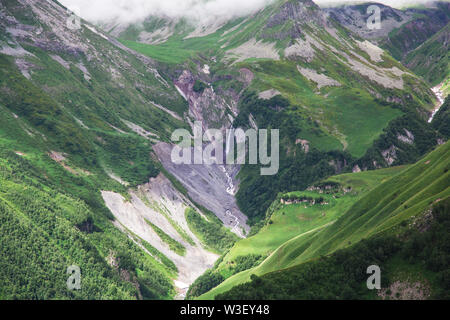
134	11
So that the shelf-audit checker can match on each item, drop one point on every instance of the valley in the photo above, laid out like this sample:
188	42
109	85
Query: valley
87	178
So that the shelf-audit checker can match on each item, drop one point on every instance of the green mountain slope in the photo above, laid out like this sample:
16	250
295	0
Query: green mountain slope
82	115
386	210
442	119
425	23
431	59
86	94
292	66
413	267
79	115
44	230
296	214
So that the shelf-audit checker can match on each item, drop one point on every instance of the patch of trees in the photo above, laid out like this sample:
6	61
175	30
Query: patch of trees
199	86
39	243
128	157
212	232
425	139
204	283
212	278
298	169
38	108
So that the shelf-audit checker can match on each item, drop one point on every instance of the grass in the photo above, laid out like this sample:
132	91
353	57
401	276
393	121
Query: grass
431	59
348	117
290	222
40	198
403	193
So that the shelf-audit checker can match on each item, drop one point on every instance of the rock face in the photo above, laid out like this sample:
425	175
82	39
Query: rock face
408	138
212	186
355	18
254	49
320	79
207	106
303	12
413	26
209	186
390	155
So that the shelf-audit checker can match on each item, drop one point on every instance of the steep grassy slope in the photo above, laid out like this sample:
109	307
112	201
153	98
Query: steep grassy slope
413	267
386	209
86	94
417	36
297	215
442	119
431	60
424	25
81	112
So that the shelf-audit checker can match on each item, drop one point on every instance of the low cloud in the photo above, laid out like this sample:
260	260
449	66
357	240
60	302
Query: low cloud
133	11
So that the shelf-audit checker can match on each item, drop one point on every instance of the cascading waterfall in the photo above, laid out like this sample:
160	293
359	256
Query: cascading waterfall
230	189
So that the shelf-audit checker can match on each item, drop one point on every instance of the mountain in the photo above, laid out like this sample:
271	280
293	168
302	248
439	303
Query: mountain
315	79
431	59
401	30
404	228
355	17
88	111
418	37
80	114
412	34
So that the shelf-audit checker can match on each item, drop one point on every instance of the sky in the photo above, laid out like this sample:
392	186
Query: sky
132	11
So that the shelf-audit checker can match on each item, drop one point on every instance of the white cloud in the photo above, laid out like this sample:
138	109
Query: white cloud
133	11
